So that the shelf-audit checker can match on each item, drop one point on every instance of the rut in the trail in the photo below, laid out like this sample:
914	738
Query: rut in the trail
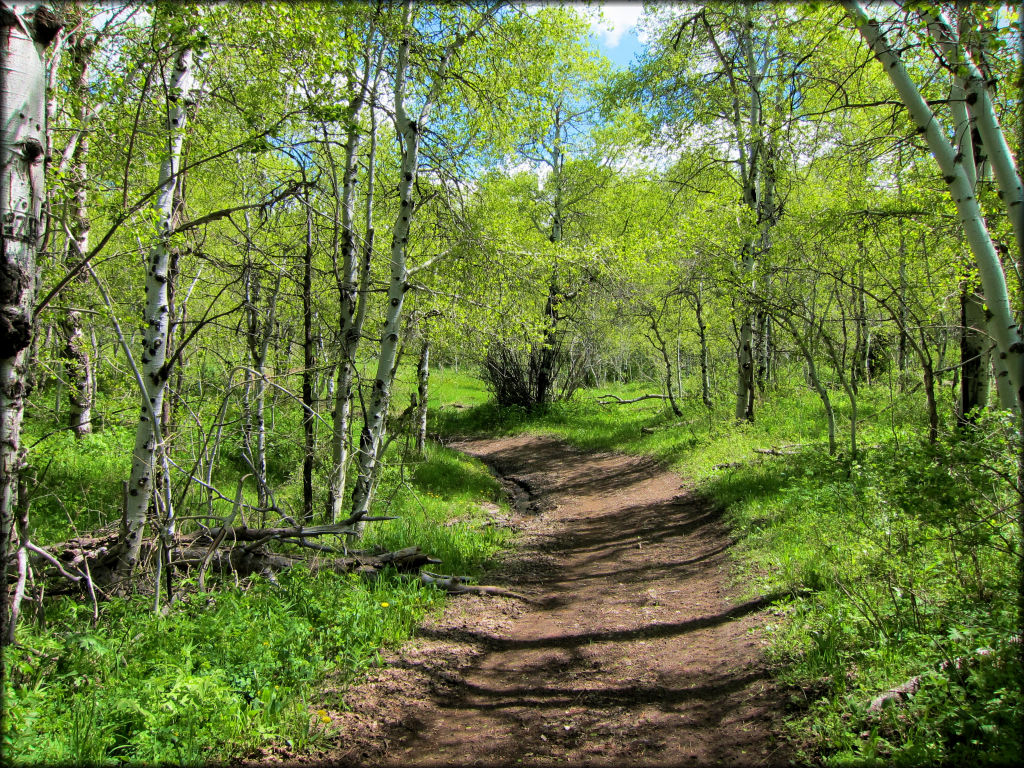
638	653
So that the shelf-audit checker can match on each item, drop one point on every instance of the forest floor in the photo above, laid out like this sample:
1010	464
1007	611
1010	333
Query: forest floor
635	648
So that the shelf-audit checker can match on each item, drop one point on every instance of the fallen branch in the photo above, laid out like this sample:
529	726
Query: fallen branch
782	450
455	585
82	560
902	693
616	400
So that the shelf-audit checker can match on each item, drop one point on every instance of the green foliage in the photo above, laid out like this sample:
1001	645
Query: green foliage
219	675
78	481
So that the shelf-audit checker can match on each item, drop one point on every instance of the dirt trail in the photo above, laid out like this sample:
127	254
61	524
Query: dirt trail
636	653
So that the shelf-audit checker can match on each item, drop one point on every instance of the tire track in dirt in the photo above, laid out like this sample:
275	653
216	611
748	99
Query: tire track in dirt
637	652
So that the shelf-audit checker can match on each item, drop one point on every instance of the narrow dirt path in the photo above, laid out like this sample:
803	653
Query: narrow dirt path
635	651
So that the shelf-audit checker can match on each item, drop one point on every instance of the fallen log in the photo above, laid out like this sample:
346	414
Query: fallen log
74	559
243	533
245	563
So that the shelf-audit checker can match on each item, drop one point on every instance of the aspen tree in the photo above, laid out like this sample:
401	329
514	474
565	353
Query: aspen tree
26	30
1003	325
154	354
410	129
351	324
77	363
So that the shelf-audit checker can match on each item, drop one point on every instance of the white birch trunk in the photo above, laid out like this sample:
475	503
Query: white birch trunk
997	150
350	333
259	331
78	364
154	347
25	32
422	387
410	131
371	439
1003	326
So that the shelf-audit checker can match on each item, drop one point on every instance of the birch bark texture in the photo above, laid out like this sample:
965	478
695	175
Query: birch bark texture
1003	325
748	123
26	30
156	321
78	365
409	131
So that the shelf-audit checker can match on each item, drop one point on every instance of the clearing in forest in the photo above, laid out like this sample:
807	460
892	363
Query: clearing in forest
633	648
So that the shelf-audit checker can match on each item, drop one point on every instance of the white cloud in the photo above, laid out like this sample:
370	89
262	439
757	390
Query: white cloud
619	18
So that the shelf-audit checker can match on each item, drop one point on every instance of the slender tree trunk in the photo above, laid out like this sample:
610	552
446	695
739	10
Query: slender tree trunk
258	337
351	332
929	393
860	369
78	368
705	355
904	314
77	364
370	440
812	375
745	377
25	32
844	380
542	360
750	145
410	129
308	404
422	385
763	343
351	335
662	347
157	317
974	353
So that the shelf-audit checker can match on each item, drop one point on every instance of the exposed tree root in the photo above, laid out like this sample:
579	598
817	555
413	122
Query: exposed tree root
457	586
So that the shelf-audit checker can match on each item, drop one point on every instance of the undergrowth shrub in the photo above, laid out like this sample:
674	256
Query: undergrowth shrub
903	564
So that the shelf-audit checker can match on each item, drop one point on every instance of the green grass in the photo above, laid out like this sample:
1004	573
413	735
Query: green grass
216	677
439	509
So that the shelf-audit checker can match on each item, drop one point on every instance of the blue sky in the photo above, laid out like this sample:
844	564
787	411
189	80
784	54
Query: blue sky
615	33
